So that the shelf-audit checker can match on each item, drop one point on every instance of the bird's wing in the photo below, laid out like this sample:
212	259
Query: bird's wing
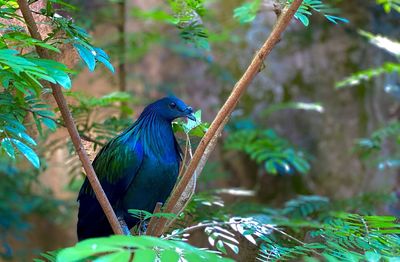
116	165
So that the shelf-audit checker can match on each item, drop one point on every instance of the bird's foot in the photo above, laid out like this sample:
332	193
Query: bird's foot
124	226
143	228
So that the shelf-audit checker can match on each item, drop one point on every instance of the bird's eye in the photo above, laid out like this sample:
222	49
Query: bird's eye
172	105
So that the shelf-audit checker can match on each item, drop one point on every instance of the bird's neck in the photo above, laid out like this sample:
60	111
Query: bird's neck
157	134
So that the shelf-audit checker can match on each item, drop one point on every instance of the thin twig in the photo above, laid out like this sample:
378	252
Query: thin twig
230	104
70	125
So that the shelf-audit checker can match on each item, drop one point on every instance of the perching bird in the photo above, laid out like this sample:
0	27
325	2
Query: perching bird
136	169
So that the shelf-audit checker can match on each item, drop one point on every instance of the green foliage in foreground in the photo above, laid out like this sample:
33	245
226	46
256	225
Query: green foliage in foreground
306	228
123	248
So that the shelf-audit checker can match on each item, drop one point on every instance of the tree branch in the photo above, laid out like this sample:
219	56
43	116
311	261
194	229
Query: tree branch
69	123
200	156
154	220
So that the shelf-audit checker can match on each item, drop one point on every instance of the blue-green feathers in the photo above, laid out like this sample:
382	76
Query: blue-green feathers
136	169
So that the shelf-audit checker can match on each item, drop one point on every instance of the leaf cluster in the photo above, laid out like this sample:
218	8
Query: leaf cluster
24	76
307	228
140	248
273	152
14	132
389	133
248	11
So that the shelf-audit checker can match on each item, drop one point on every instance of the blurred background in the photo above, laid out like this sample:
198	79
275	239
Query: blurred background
320	119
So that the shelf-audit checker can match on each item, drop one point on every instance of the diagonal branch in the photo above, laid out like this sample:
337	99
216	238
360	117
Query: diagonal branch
205	148
69	123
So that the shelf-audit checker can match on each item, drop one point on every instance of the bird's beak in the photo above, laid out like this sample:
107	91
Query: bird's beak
189	113
191	117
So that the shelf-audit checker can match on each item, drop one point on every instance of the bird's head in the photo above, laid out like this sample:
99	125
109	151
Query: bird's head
171	108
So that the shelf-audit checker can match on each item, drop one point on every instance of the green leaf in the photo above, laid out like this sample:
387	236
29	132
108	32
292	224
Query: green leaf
81	252
169	256
144	255
7	146
58	71
49	123
221	247
368	74
106	63
122	256
62	79
303	19
21	134
372	256
336	19
87	56
247	12
102	57
45	113
270	167
27	152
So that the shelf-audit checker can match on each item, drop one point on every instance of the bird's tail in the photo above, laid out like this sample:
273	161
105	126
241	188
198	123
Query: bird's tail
92	221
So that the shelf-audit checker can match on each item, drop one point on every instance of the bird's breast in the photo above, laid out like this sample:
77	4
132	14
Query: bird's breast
153	183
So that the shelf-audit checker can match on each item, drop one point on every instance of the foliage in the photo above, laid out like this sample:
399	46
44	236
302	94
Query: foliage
372	145
306	227
141	248
186	16
22	76
388	5
80	40
318	6
26	116
13	132
384	43
193	128
247	12
84	107
368	147
268	149
368	74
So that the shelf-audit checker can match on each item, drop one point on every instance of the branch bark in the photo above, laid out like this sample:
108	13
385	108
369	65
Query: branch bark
122	45
205	147
69	123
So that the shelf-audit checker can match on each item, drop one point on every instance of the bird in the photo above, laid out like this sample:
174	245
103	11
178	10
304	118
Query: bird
137	169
